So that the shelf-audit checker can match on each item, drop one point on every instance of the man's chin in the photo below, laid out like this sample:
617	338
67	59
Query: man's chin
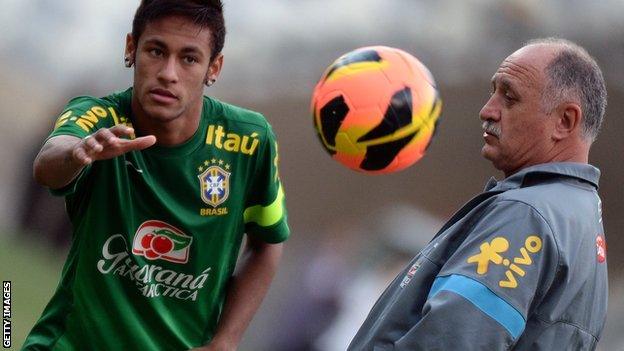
487	152
490	154
161	114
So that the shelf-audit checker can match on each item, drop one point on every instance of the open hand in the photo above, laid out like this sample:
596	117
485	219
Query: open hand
108	143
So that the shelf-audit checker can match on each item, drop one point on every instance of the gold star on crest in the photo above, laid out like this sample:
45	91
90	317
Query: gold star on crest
200	168
206	163
213	160
227	166
220	162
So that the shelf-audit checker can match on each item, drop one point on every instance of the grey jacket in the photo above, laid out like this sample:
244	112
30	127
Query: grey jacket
521	266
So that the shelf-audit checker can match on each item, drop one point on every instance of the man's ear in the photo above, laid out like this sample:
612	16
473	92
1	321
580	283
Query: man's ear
130	53
214	70
569	115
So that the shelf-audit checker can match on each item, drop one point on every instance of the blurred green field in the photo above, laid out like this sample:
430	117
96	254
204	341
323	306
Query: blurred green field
34	271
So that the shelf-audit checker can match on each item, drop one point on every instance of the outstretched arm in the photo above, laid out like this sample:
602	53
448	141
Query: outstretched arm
63	157
247	289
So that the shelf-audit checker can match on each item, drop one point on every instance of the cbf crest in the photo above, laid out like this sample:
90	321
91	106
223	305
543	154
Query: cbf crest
214	184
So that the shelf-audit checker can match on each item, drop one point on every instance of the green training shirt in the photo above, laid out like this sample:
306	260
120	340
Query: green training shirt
156	233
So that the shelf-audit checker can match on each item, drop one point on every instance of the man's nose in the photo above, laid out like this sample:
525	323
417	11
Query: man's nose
169	71
489	111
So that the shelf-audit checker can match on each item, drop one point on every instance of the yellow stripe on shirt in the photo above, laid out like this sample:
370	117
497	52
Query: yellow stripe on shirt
266	216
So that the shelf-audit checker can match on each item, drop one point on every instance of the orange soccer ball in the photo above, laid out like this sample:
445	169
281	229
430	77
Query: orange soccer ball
376	109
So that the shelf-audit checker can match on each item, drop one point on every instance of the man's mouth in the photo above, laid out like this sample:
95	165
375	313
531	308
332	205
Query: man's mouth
491	129
163	96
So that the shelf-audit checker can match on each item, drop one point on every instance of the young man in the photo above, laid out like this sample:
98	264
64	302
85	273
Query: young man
159	218
521	266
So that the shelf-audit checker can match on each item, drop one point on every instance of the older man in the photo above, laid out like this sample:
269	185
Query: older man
521	266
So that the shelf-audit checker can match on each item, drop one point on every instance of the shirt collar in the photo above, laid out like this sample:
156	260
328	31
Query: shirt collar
582	171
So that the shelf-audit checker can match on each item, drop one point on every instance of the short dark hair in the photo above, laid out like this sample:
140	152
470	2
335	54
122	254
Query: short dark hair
203	13
574	74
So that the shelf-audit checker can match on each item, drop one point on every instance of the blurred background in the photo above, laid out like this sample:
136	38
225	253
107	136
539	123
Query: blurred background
351	233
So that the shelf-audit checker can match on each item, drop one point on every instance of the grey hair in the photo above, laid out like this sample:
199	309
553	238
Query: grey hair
573	74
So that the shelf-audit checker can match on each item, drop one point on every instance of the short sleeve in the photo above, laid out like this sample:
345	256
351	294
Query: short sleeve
81	117
485	292
265	212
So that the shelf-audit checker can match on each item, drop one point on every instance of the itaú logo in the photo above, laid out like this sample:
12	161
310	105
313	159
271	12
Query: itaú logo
157	240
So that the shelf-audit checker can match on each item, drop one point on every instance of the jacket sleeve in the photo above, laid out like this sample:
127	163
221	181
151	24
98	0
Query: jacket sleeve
483	294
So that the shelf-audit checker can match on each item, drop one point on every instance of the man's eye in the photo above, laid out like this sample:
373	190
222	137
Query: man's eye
156	52
189	59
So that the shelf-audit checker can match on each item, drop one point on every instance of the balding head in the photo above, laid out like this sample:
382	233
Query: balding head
572	75
546	105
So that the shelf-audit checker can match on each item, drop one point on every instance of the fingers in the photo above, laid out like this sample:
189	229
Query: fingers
80	154
140	143
92	145
86	149
111	137
107	143
121	130
105	137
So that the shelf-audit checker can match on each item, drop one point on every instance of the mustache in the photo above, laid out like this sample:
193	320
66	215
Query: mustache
491	128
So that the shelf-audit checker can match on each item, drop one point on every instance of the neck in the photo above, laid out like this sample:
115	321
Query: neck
572	151
569	152
168	131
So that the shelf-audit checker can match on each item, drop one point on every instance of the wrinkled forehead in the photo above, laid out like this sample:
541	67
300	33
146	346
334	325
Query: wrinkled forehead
526	67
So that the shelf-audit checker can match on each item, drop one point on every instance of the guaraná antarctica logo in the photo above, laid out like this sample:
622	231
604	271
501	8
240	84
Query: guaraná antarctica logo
155	240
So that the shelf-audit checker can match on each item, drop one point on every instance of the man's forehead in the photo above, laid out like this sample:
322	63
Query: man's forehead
503	81
509	73
525	67
178	31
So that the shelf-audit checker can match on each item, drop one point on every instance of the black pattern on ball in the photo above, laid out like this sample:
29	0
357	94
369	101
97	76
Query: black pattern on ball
332	116
380	156
397	116
358	56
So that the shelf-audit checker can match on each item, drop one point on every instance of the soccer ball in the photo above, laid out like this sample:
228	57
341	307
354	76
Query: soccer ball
376	109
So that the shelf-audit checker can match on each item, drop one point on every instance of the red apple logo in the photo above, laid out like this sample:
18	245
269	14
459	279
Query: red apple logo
162	245
146	241
160	240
